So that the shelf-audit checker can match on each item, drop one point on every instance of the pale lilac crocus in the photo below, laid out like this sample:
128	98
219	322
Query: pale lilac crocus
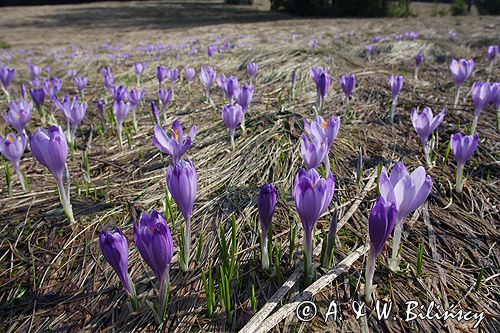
462	147
252	69
244	98
347	83
182	183
156	114
266	204
322	130
312	195
34	71
491	54
19	114
369	51
207	77
172	75
121	111
460	70
114	247
6	77
12	148
138	71
49	147
155	244
313	151
425	124
229	86
418	60
51	88
175	145
383	218
231	116
408	192
119	93
135	97
189	74
80	83
482	94
395	83
322	80
74	112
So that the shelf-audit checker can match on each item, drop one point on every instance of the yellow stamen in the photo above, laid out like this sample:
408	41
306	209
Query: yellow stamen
324	125
11	138
176	134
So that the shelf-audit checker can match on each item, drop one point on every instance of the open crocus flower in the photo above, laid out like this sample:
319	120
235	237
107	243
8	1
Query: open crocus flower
80	83
313	151
462	147
19	114
114	247
49	147
266	205
322	129
119	93
244	98
12	148
229	86
156	246
182	184
395	83
347	83
207	77
252	69
312	195
74	112
6	77
425	124
175	145
408	192
460	70
121	111
322	80
231	116
51	87
482	94
383	218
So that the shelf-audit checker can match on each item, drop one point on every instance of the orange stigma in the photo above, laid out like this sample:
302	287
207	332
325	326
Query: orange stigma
176	134
11	138
152	229
324	125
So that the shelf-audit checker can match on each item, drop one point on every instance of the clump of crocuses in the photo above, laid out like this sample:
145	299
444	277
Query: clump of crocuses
12	148
395	83
408	192
312	194
231	116
425	124
266	205
460	70
154	242
182	183
50	149
175	145
462	147
114	247
383	218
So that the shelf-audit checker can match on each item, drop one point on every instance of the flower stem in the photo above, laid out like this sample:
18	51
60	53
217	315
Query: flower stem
393	108
498	119
20	177
459	184
7	95
186	246
370	270
426	155
233	146
457	95
133	296
308	269
243	123
396	241
65	200
474	125
416	73
264	251
120	136
134	119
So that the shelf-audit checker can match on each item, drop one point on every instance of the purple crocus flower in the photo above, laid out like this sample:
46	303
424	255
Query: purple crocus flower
425	124
383	218
19	114
139	69
395	83
51	87
72	73
6	77
252	69
175	145
182	183
312	195
229	86
24	93
189	73
482	94
12	148
154	242
80	83
370	49
231	116
244	96
49	147
492	52
161	74
313	151
211	49
418	59
165	96
347	83
107	78
408	192
74	112
207	78
462	148
121	111
172	75
461	70
376	39
100	108
496	101
322	80
114	247
313	43
34	71
266	205
119	93
320	130
156	114
38	97
135	96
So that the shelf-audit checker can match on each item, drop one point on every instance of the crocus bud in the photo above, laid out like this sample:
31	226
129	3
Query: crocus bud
492	52
207	77
244	96
34	71
114	248
165	96
347	83
383	218
156	114
161	74
266	205
19	114
119	93
462	147
121	111
395	83
135	96
177	144
6	76
24	93
408	192
38	97
312	195
461	70
482	94
418	59
231	116
252	69
139	68
172	75
425	124
189	73
211	49
182	183
80	83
